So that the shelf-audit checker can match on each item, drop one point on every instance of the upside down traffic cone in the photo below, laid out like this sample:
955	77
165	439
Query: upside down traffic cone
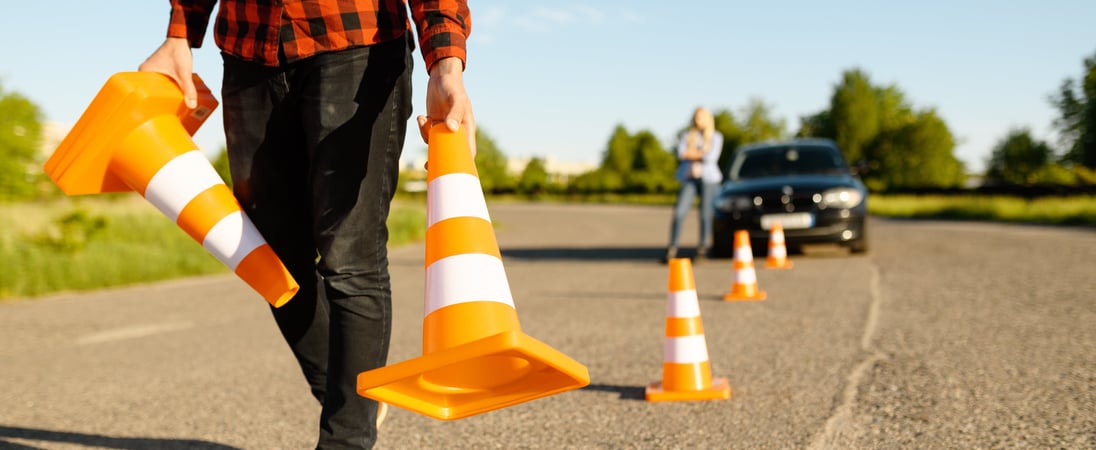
778	251
744	286
135	136
475	356
686	370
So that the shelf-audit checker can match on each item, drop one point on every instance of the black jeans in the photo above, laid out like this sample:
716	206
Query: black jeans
314	148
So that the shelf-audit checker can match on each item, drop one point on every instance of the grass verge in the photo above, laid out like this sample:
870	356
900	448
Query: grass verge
76	244
1079	210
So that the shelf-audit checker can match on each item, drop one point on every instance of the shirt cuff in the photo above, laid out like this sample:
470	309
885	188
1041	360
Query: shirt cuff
188	23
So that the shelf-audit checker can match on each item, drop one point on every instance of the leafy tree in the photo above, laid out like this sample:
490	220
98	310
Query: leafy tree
20	141
915	154
631	163
1076	103
534	179
876	124
726	125
756	124
491	164
1018	158
854	108
652	166
819	124
620	152
598	181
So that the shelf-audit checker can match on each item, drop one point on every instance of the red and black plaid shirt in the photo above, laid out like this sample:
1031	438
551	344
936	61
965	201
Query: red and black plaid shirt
252	29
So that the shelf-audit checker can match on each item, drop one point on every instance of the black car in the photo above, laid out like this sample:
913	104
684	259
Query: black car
805	184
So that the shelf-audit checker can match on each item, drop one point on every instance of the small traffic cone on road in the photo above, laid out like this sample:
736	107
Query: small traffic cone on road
686	370
475	356
744	286
778	251
135	136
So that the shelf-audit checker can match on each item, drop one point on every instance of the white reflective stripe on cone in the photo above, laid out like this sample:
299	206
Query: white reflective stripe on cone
778	238
686	349
459	279
745	276
179	181
455	195
778	252
683	304
743	254
232	239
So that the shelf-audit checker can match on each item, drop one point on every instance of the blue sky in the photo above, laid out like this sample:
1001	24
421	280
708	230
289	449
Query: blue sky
555	78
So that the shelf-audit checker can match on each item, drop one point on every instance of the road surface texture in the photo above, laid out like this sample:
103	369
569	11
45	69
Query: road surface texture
945	335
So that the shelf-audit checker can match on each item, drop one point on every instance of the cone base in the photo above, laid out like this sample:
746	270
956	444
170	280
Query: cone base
785	265
80	164
408	384
719	390
733	297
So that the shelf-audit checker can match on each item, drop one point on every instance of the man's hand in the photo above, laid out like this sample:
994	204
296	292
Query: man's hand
447	101
174	59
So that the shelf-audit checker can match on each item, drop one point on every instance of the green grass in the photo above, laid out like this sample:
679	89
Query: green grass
1079	210
97	242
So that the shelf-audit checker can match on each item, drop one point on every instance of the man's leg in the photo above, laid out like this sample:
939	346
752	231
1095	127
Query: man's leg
270	177
355	105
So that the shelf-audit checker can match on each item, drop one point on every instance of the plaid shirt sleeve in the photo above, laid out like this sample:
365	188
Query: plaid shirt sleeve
189	19
443	26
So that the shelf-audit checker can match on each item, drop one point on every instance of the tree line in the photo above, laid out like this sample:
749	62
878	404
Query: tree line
894	145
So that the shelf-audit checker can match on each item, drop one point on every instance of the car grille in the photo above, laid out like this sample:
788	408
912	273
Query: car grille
773	202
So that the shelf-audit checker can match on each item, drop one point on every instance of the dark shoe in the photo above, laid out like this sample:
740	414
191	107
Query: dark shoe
701	254
671	253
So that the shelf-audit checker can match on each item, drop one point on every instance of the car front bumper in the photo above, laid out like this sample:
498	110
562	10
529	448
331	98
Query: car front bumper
829	226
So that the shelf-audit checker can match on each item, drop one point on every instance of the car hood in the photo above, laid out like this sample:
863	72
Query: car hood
797	182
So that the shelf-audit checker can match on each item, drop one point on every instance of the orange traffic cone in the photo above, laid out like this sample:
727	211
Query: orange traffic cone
686	371
744	286
135	136
778	252
475	357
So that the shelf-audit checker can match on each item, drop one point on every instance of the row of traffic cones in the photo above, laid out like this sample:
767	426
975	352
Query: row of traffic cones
686	369
744	285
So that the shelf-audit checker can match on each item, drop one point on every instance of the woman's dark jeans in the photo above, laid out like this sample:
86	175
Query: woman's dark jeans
314	147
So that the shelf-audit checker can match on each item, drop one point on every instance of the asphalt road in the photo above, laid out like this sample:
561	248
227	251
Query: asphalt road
945	335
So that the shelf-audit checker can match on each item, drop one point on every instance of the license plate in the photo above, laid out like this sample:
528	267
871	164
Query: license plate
790	221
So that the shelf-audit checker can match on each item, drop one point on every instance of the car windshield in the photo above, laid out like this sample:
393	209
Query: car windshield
788	160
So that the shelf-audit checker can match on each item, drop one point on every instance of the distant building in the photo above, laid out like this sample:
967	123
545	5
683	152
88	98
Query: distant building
559	171
52	135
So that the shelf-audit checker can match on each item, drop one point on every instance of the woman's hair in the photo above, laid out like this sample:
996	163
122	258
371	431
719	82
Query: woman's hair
704	122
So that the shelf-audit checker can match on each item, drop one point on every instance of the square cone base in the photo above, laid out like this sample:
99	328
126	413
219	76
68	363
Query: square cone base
732	297
720	390
480	376
81	163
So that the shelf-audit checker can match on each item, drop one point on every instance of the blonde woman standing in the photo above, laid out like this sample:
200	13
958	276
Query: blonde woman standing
698	150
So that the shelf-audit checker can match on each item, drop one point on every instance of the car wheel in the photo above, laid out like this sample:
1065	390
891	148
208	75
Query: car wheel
720	249
860	244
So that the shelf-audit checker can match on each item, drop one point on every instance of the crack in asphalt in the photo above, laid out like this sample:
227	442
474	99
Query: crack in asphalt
843	412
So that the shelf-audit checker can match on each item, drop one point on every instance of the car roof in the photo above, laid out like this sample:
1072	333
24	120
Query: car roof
800	142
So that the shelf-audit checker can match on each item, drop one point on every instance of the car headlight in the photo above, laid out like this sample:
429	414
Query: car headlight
734	203
841	198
